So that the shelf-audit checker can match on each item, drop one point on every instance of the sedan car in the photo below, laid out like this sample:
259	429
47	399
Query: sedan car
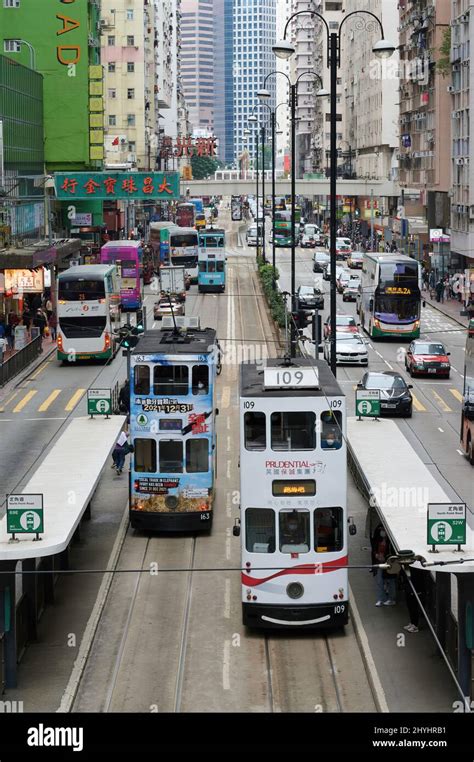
355	260
320	239
351	349
309	298
395	395
167	306
428	357
343	280
344	324
351	290
307	242
320	259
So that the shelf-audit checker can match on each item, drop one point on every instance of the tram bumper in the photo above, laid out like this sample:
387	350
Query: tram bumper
309	617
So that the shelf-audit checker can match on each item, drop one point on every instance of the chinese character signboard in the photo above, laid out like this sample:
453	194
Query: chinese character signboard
24	281
118	185
25	514
187	146
446	524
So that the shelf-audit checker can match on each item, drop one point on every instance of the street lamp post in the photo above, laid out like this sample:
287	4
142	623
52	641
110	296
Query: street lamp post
262	132
284	49
254	120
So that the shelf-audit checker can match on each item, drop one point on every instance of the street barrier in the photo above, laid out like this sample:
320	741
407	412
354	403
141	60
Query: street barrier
20	360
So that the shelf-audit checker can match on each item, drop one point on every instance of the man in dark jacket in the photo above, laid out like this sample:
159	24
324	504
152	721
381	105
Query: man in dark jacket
39	321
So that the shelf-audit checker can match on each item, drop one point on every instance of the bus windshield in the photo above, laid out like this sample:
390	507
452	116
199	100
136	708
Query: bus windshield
397	308
183	239
80	289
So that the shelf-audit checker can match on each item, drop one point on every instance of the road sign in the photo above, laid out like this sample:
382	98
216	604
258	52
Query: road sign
99	402
446	524
24	514
368	403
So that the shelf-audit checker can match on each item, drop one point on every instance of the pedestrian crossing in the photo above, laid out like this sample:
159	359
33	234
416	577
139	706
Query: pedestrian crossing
38	401
444	402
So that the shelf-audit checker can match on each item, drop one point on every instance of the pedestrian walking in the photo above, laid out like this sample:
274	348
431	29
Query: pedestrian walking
386	582
53	325
440	291
39	321
417	577
26	317
121	450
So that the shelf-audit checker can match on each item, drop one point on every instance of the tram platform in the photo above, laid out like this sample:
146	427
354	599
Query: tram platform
67	478
398	486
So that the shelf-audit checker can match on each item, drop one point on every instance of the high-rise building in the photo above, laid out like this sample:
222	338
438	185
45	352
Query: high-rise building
462	130
284	10
254	35
223	81
197	60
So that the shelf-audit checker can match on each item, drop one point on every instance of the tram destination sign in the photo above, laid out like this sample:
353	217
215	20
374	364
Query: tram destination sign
446	524
24	515
291	378
368	403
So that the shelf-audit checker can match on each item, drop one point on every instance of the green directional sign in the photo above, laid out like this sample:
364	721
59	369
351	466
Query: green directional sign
368	403
99	402
446	524
24	514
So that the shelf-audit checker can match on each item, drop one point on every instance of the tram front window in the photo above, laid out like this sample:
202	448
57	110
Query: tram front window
141	376
211	266
331	430
294	531
144	457
255	434
293	431
197	456
260	530
328	530
200	379
170	379
171	456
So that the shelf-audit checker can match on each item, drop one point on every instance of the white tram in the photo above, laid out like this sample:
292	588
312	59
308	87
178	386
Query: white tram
293	495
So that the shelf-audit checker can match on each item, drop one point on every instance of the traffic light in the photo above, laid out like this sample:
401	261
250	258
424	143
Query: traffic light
129	335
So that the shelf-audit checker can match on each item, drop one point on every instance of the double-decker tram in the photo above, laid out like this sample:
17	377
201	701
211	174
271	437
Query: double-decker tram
293	496
172	423
212	260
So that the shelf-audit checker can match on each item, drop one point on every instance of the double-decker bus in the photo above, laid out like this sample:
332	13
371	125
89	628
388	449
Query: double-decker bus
88	299
184	249
467	415
172	422
185	215
128	256
293	496
389	302
212	260
158	240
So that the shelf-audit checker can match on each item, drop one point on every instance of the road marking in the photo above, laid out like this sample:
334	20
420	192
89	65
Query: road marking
456	394
25	400
228	507
378	353
228	444
421	408
227	599
40	369
444	406
42	408
460	452
226	666
442	430
387	363
228	541
229	462
15	394
74	400
228	424
225	400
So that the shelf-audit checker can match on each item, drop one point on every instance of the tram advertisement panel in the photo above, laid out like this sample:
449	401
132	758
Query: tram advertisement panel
172	425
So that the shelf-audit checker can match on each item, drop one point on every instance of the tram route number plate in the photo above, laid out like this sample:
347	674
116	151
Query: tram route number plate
291	378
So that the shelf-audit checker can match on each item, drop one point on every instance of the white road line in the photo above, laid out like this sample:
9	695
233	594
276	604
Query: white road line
387	363
228	505
442	430
226	666
228	444
460	452
227	598
229	462
378	353
228	541
228	423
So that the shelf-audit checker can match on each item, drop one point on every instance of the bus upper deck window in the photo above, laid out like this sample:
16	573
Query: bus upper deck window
255	434
200	379
294	430
170	379
331	430
141	379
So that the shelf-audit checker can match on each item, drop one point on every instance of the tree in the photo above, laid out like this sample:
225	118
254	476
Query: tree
443	65
203	166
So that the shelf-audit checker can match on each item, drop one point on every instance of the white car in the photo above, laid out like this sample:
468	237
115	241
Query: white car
351	349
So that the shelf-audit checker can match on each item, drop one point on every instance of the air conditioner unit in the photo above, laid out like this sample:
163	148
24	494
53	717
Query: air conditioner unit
459	162
456	67
450	88
455	114
450	194
464	18
466	160
471	212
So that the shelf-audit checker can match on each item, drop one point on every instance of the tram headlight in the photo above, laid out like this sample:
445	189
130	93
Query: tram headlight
171	502
295	590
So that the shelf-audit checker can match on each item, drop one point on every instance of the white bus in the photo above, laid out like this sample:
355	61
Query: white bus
88	303
389	300
293	496
184	249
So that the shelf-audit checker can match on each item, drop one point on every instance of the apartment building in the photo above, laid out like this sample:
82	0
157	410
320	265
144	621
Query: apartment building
197	60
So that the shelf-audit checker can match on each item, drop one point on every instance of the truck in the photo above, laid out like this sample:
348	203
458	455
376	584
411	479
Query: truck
173	281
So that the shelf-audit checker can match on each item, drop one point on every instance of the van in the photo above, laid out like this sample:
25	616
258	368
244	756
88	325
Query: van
252	234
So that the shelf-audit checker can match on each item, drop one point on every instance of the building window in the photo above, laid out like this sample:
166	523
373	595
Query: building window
11	3
130	66
130	39
129	15
130	93
112	92
111	67
111	39
130	120
131	146
112	120
11	46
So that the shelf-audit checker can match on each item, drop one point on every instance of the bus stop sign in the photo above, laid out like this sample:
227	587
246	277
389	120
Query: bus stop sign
24	514
99	402
446	524
368	403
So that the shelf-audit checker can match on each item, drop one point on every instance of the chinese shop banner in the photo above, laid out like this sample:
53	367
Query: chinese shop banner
119	185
